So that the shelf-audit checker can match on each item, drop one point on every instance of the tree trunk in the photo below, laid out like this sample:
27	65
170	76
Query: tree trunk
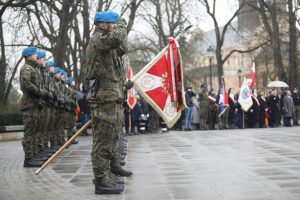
3	65
61	45
292	45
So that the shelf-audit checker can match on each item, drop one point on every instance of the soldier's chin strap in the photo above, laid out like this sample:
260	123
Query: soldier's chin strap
63	147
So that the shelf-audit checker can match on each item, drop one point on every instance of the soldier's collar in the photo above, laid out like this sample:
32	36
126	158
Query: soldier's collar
31	63
101	30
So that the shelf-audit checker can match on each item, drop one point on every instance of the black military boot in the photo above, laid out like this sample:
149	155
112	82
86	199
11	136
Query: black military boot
105	187
119	171
122	162
44	154
116	180
30	162
40	158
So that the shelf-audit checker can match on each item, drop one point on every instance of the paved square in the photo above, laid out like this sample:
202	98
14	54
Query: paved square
256	164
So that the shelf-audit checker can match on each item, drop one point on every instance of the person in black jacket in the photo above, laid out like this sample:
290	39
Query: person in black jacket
232	109
253	113
263	109
273	104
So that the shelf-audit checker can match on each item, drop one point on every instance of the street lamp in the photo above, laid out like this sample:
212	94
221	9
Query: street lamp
240	75
210	51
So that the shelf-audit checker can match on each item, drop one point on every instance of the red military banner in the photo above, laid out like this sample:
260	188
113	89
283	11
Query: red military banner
160	83
131	100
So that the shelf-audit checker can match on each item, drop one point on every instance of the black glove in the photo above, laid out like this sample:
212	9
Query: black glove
128	85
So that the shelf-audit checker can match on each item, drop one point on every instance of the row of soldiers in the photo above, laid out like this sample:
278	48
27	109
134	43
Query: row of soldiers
48	105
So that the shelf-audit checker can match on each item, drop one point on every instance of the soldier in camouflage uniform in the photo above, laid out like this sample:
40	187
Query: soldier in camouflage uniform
29	83
71	107
59	101
51	105
42	149
203	111
63	110
104	70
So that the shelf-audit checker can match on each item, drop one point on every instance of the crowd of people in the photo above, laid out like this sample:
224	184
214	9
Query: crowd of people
271	109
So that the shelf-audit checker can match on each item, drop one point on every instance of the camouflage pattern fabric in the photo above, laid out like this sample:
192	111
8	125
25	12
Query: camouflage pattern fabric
104	64
29	83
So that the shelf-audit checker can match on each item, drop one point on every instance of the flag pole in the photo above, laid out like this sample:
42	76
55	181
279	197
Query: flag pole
63	147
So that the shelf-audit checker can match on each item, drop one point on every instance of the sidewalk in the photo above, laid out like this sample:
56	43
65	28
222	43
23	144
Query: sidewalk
257	164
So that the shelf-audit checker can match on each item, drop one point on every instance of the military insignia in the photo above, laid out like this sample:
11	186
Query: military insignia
27	68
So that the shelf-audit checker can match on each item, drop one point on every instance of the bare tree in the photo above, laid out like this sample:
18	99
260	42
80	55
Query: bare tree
220	33
4	87
268	11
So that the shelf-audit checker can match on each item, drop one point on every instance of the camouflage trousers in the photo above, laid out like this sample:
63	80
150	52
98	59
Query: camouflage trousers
106	125
70	123
30	134
51	126
43	119
203	118
296	115
59	125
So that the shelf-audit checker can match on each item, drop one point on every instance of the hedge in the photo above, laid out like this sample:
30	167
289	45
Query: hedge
11	118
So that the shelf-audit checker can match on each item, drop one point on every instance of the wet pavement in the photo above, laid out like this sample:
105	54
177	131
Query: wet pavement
256	164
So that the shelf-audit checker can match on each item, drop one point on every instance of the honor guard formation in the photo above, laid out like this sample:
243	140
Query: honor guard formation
50	103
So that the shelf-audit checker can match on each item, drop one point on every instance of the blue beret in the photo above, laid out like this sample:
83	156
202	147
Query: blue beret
28	51
70	80
62	72
56	70
50	63
65	74
107	16
41	54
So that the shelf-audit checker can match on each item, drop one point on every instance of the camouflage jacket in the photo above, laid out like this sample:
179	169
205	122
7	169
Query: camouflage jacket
29	83
71	98
104	64
43	73
57	91
203	99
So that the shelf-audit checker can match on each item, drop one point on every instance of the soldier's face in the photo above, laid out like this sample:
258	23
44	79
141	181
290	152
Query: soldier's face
41	61
73	84
51	69
111	27
33	57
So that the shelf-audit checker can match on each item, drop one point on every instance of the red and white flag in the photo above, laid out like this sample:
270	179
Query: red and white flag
160	83
131	100
252	76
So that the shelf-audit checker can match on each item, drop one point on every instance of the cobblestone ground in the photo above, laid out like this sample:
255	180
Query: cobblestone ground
257	164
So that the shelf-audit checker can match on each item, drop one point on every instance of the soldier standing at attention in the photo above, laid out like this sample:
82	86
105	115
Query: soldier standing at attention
104	70
43	116
59	103
71	107
63	109
29	83
51	105
203	111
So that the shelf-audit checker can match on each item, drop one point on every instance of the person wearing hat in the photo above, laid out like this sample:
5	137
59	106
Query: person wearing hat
42	149
296	99
71	108
59	107
203	103
51	105
62	108
29	83
104	69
